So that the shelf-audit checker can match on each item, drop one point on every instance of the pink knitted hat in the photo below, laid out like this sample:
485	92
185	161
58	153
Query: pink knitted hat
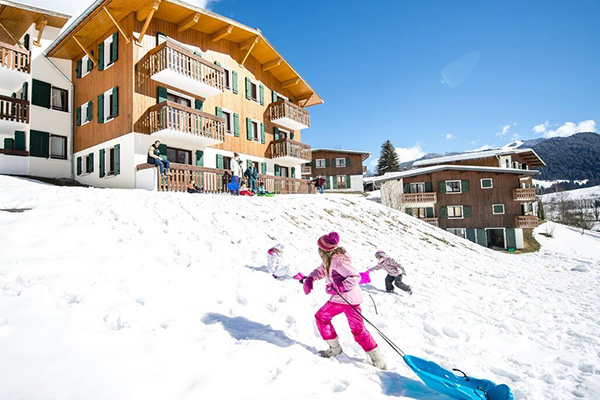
329	242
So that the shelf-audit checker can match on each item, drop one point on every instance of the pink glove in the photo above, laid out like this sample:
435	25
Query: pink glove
332	287
308	285
364	277
300	277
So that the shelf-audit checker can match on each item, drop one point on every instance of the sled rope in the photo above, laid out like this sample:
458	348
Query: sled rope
374	305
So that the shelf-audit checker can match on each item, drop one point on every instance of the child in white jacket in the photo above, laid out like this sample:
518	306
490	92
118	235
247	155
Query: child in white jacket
275	262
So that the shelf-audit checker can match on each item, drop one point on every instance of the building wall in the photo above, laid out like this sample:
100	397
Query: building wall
498	162
355	167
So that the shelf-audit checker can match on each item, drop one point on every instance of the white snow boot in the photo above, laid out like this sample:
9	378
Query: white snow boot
377	359
334	348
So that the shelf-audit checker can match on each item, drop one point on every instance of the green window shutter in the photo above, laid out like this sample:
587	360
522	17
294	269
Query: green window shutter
277	170
90	111
78	69
234	81
39	144
327	183
293	170
347	181
263	168
464	184
407	188
511	238
248	163
101	108
466	211
248	88
9	144
444	212
429	212
20	140
117	159
442	186
198	104
347	161
114	55
408	211
326	162
273	96
236	125
90	64
100	56
78	116
276	133
471	235
261	89
102	160
26	41
199	158
248	129
262	133
161	94
335	182
428	188
24	90
162	148
219	112
114	107
217	63
482	237
292	135
91	163
313	163
40	93
78	165
220	161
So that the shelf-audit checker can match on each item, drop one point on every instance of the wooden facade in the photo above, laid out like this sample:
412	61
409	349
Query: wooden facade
353	163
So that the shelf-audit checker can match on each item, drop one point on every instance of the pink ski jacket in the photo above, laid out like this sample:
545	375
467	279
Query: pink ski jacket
390	265
341	272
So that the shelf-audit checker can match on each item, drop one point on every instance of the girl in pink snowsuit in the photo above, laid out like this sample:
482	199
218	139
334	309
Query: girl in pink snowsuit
342	284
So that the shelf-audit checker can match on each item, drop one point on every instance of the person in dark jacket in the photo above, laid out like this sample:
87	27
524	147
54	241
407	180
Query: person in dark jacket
319	183
155	158
193	188
252	175
226	180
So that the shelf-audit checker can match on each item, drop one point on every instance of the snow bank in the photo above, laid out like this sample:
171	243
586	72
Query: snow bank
124	294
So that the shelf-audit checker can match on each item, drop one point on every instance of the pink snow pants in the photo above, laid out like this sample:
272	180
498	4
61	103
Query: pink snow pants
357	325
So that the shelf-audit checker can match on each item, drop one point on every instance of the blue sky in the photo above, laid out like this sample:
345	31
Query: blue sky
433	76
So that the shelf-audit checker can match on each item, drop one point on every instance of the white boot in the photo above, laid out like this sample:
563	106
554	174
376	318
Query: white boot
334	348
377	359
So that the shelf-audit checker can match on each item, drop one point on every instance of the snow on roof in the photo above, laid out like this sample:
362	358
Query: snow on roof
475	155
364	153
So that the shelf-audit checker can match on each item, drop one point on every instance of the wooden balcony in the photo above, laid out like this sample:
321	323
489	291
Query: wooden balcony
527	194
290	152
430	221
211	179
419	198
306	170
14	113
14	66
176	66
288	115
526	221
181	125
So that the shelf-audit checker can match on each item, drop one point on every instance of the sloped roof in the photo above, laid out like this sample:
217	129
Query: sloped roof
365	154
531	156
18	17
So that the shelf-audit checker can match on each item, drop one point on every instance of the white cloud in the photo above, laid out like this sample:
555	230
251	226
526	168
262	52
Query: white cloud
410	153
504	131
567	129
450	136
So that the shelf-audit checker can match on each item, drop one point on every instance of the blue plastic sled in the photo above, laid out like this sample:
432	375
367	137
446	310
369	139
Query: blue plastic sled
458	387
233	186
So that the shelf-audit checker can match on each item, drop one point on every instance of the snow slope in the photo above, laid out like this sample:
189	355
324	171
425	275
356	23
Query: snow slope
124	294
592	192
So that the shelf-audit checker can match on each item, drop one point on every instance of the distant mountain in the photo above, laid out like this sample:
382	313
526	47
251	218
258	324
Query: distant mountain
575	157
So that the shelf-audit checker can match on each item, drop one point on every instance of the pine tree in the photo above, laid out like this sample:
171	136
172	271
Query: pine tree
388	159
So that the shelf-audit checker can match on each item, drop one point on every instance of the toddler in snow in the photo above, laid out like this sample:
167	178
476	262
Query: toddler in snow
342	284
394	269
275	264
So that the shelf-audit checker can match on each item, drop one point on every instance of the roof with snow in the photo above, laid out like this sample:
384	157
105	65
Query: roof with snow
391	176
529	155
365	154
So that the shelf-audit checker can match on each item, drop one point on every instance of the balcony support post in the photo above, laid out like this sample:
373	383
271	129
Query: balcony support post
40	27
91	57
272	64
290	83
221	33
18	43
188	22
249	44
119	26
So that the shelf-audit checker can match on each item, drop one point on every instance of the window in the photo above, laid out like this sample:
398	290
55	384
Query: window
419	212
255	131
453	187
341	182
486	183
253	91
283	134
58	147
498	208
527	209
455	212
417	187
85	61
458	232
111	161
59	99
340	162
227	163
228	122
108	105
277	96
85	114
89	163
320	163
108	49
227	78
179	99
179	156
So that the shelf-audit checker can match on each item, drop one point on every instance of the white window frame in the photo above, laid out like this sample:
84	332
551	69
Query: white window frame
462	231
106	105
255	129
417	184
107	42
52	99
485	179
494	211
229	73
462	212
84	119
459	186
320	163
283	132
85	159
66	147
280	96
343	178
337	162
255	83
185	96
84	66
230	119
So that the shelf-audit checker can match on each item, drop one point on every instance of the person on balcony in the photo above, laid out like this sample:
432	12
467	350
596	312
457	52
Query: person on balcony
395	272
252	175
236	174
155	158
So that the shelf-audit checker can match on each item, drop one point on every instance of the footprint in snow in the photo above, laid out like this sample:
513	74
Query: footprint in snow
116	324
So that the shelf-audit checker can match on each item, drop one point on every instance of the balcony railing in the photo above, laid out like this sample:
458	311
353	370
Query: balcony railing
211	180
14	110
14	57
526	221
521	194
172	121
430	221
289	115
306	170
419	197
177	66
290	150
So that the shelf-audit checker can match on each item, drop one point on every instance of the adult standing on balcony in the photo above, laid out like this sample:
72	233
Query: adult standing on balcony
236	173
154	158
252	175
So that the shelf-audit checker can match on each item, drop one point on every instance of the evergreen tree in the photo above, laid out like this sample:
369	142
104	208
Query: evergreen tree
388	159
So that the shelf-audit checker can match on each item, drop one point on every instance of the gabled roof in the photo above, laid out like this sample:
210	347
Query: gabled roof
394	176
18	17
531	156
365	154
94	21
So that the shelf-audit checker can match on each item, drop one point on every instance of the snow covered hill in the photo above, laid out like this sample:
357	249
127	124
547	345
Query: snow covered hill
123	294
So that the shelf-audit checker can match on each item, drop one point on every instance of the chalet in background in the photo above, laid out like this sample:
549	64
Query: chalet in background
487	197
343	170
